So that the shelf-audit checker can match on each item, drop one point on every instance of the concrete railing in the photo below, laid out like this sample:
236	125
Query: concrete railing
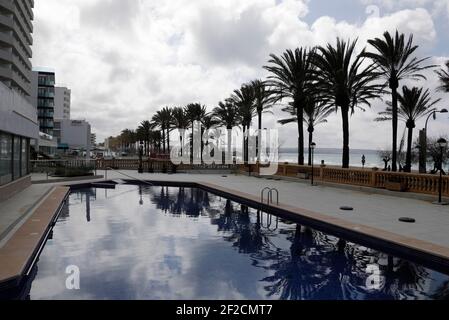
374	178
155	165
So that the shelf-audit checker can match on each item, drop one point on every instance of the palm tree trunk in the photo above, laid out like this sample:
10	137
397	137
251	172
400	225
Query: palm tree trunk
180	140
244	145
229	154
408	161
300	113
345	117
259	138
163	139
394	95
168	140
191	142
247	143
311	130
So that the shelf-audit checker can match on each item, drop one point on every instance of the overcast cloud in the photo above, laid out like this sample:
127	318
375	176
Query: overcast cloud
124	59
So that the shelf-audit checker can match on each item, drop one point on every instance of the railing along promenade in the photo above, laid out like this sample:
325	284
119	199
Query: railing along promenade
373	178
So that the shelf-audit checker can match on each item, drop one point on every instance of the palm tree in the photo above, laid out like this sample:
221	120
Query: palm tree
344	84
144	132
244	99
167	114
315	113
162	120
194	112
264	99
444	78
291	77
226	115
395	62
414	104
181	123
207	123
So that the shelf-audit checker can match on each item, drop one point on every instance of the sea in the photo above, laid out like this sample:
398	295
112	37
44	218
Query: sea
333	157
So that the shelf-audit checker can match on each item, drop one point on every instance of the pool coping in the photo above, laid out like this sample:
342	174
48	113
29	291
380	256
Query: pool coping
22	249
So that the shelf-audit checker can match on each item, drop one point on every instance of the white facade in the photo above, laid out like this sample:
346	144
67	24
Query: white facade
62	103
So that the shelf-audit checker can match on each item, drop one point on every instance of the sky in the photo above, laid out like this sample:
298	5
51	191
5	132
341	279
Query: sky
125	59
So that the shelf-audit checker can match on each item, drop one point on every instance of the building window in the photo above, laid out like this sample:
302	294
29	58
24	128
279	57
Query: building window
5	158
25	156
16	157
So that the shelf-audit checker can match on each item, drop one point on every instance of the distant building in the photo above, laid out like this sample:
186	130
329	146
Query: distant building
62	103
18	117
93	139
73	135
43	97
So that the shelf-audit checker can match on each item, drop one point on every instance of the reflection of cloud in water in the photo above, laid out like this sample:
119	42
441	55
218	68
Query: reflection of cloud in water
187	244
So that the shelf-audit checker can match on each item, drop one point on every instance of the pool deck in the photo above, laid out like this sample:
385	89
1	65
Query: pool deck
25	221
375	215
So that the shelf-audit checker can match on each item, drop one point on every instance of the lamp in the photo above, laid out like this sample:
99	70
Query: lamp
442	143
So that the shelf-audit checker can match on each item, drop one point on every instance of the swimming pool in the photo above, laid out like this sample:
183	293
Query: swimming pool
148	242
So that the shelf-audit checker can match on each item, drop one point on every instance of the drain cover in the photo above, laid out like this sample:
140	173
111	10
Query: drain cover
407	220
345	208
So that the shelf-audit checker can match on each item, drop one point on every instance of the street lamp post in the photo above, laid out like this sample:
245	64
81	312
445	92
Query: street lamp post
140	157
312	149
423	141
442	143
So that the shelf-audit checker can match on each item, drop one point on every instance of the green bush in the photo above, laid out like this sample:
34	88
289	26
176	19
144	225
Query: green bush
73	172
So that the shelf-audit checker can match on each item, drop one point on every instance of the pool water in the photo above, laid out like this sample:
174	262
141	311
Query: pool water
143	242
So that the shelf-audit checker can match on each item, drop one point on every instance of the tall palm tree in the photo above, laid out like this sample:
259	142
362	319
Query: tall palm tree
144	131
395	62
264	100
194	112
207	123
344	83
163	120
167	114
292	77
444	78
244	99
414	104
181	123
226	115
315	113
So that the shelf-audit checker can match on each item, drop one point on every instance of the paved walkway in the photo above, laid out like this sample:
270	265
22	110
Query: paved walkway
14	210
370	209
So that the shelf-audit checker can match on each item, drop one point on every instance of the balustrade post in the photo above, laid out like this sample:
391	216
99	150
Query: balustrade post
373	178
322	167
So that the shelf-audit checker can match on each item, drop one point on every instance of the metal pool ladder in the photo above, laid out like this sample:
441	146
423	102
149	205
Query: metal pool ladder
269	219
269	195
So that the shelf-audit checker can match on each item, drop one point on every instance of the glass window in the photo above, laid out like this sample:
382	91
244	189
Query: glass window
5	158
16	157
25	156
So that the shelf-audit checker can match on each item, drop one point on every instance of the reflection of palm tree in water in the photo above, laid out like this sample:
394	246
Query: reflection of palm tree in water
189	201
300	273
317	266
